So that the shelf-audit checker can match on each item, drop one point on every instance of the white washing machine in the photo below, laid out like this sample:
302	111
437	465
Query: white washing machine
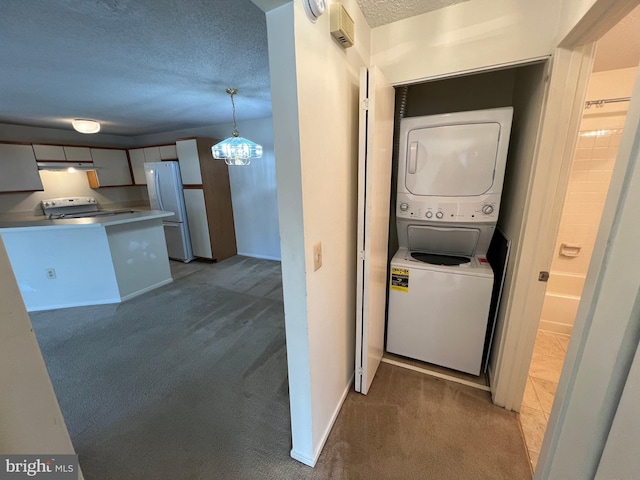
438	313
450	177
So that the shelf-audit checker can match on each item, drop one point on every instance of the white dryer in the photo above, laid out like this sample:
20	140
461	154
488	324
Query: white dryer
450	176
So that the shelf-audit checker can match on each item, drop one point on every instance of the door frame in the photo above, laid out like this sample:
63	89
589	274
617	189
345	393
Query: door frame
567	89
571	69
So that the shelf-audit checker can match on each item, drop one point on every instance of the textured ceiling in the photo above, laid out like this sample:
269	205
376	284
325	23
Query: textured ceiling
137	66
381	12
620	47
150	66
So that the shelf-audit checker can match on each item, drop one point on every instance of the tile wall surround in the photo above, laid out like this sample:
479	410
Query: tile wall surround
589	180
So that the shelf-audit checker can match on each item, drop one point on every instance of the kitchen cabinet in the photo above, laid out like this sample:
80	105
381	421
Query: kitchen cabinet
18	169
78	154
208	199
93	258
151	154
138	157
189	159
168	152
112	168
53	153
61	153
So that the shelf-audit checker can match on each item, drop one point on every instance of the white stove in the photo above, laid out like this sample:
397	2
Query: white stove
76	207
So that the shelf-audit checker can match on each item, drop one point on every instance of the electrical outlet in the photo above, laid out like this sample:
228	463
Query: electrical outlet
317	256
51	273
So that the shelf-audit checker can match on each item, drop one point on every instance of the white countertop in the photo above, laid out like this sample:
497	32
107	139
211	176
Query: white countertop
30	223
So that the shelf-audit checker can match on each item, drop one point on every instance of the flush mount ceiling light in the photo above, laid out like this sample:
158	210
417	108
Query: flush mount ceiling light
83	125
236	150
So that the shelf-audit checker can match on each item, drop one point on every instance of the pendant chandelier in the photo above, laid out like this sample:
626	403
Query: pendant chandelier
236	150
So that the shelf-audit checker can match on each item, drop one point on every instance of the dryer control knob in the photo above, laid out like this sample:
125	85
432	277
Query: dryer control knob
487	209
404	206
439	215
429	214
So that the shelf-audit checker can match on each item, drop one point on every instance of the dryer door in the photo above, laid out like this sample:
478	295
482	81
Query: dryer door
452	160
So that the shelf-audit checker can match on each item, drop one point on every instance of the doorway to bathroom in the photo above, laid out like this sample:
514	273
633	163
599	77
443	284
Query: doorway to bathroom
610	87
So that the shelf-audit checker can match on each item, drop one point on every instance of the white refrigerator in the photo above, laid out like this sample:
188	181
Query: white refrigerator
165	193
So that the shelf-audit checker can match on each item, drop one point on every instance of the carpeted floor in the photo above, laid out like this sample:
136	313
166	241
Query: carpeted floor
189	382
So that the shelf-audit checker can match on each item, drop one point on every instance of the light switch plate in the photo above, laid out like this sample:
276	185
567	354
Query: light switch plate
317	256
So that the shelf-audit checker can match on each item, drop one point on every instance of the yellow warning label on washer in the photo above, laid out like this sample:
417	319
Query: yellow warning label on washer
400	279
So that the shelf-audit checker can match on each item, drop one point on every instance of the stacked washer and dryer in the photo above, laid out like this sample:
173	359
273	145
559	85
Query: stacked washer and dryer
450	176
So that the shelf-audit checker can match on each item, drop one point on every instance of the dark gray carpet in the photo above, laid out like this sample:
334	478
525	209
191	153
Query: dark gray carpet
189	382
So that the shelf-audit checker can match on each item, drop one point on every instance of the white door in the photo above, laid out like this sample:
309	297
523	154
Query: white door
374	187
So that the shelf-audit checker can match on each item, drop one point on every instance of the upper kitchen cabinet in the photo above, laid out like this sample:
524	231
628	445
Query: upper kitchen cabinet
18	169
138	157
189	158
207	196
78	154
59	153
112	168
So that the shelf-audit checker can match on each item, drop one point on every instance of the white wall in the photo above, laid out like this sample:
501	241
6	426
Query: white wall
282	66
253	192
30	418
81	258
571	13
315	101
467	36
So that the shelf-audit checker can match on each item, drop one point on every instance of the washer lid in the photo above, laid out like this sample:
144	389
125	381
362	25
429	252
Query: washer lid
443	240
452	160
438	259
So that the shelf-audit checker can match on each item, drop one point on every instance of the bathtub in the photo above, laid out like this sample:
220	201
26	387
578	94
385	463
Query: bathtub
561	302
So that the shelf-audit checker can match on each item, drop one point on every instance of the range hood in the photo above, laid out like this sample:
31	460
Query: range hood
62	166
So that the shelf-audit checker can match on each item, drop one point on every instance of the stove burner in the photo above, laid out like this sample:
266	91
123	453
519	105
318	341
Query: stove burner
435	259
103	213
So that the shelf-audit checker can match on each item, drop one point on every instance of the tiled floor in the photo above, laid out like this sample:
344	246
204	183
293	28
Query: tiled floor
544	372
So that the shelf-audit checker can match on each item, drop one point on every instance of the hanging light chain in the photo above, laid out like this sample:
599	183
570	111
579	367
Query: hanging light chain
232	92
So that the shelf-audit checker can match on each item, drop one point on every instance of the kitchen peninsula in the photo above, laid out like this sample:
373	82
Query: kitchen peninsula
69	262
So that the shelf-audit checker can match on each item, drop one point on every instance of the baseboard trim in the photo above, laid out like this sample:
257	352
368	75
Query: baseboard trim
327	431
147	289
437	374
555	327
312	461
256	255
42	308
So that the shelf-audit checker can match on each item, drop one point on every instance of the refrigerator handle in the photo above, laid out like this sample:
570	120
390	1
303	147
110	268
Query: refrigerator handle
157	182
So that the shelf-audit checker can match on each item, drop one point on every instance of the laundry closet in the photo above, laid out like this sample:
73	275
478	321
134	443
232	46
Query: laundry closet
516	95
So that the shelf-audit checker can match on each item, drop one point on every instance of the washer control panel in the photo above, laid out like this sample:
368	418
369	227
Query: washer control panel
474	210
